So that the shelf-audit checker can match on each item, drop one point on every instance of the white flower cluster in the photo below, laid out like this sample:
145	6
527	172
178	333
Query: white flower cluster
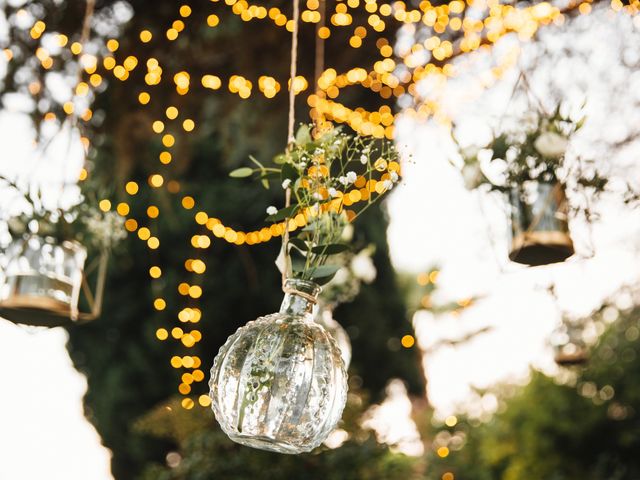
104	229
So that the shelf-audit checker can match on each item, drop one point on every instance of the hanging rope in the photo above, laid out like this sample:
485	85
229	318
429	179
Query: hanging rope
293	71
290	136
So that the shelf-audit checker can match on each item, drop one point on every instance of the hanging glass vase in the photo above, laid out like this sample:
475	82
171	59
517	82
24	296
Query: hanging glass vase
43	280
539	228
279	382
325	318
569	346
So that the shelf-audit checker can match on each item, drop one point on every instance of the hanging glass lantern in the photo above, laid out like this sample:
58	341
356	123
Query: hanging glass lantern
325	318
43	281
569	346
539	228
279	382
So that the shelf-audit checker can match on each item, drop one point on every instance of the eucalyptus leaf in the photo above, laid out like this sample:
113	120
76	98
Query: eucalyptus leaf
323	271
242	172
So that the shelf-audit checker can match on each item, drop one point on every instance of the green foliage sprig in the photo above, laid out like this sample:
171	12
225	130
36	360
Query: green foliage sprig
534	152
333	178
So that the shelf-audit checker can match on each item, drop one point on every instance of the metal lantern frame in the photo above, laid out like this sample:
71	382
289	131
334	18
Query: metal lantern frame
90	293
539	229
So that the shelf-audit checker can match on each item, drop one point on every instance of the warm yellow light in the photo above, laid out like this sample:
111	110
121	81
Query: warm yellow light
188	125
144	98
144	233
171	112
162	334
165	157
187	403
188	203
145	36
131	225
131	188
185	11
408	341
204	400
443	452
123	209
195	291
159	304
158	126
153	211
155	272
451	421
153	243
213	20
156	180
112	45
105	205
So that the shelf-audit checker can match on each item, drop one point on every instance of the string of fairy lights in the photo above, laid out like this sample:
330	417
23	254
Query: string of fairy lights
395	73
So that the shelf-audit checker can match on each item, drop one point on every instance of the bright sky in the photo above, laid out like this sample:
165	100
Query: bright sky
43	433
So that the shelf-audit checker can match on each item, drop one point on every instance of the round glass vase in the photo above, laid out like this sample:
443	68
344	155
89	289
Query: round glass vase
279	382
539	228
42	281
325	318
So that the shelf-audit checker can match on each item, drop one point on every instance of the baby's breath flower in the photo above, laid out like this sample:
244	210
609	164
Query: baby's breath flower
286	183
343	180
363	159
271	210
351	177
394	177
333	192
387	184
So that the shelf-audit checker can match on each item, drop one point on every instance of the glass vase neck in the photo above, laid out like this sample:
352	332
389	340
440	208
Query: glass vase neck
300	297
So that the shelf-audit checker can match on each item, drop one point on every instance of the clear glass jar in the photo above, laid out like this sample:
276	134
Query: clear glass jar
279	382
325	318
539	227
42	280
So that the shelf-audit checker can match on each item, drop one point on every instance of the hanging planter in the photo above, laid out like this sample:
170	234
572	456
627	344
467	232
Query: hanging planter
529	165
45	279
539	228
56	263
279	383
569	347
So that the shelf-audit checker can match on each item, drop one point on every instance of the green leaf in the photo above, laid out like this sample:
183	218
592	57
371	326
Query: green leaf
288	172
282	214
330	249
299	244
303	135
242	172
324	273
265	183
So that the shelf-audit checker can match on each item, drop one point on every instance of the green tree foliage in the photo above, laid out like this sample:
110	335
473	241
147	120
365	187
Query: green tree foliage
584	428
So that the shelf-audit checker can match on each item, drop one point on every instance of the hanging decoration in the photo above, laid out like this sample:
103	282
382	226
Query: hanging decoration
569	345
535	172
45	276
323	177
279	383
